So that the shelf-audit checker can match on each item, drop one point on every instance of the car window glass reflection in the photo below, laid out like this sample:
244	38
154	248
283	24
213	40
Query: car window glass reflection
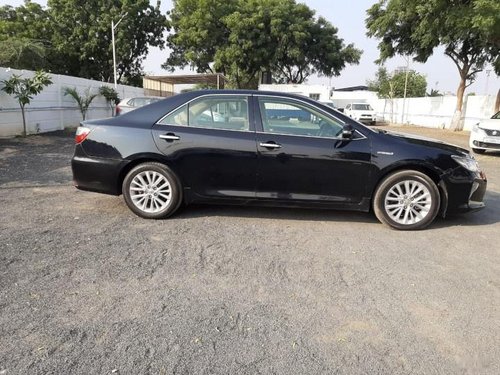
177	117
288	117
219	113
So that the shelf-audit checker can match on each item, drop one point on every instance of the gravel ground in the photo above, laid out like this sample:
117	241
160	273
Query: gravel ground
86	287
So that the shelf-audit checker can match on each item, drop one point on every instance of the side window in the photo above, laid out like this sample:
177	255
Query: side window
348	106
284	116
220	112
177	117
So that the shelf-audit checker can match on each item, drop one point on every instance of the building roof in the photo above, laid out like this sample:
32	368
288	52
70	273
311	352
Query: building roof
353	88
216	79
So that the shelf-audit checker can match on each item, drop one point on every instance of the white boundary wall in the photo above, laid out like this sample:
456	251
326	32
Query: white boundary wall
51	110
435	112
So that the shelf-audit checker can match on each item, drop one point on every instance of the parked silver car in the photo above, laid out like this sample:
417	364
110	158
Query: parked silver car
129	104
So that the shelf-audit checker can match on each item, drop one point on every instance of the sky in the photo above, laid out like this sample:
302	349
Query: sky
349	18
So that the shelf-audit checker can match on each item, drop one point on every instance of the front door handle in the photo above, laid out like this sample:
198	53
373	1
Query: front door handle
170	137
270	145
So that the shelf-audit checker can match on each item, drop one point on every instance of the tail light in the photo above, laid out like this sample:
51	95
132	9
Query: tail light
81	133
117	111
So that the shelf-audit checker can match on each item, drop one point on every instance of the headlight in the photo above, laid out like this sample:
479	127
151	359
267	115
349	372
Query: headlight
468	162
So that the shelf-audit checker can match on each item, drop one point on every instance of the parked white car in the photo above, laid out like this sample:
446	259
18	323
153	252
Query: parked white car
485	135
129	104
362	112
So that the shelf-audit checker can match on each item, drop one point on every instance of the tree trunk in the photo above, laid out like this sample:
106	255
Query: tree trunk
24	121
497	103
455	122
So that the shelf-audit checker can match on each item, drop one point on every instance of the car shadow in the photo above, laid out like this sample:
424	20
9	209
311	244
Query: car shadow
275	213
487	216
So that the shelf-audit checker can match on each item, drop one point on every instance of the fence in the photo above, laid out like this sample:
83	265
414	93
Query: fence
51	109
435	112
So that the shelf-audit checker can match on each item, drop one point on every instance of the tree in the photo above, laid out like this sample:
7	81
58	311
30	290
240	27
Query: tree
24	37
82	33
83	101
110	95
22	53
468	30
77	35
388	86
24	89
244	38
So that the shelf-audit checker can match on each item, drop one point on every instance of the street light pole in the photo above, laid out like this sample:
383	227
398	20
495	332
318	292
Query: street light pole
113	27
407	58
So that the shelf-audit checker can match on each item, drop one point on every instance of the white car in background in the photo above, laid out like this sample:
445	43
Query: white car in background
362	112
129	104
485	135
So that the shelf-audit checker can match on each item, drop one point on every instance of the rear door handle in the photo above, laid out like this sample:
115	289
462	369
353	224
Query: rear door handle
269	145
170	137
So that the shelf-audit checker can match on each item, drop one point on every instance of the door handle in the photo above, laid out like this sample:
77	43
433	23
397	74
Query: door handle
170	137
269	145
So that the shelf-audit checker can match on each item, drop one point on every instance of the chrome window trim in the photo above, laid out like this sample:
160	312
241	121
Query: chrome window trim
315	136
201	127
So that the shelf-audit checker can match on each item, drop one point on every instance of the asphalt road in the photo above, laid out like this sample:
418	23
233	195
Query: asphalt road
86	287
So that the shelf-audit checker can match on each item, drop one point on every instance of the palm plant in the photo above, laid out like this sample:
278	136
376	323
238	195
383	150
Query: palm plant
83	101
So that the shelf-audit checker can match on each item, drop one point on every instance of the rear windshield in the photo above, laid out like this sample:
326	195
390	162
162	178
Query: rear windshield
496	116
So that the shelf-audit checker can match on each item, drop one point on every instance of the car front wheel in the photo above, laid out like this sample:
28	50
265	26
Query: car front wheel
407	200
152	191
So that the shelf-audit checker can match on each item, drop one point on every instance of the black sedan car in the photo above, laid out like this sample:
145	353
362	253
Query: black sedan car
268	148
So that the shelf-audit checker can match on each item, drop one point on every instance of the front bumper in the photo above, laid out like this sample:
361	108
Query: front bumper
465	192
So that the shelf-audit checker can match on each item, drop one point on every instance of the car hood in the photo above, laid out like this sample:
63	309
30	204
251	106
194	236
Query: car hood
490	124
424	141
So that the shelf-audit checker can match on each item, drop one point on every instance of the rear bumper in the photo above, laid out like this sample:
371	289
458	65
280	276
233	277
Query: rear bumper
95	174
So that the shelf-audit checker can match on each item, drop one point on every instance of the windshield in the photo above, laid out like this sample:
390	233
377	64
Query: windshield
362	107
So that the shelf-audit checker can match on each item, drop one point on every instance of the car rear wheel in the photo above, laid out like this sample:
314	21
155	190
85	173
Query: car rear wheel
478	150
152	191
407	200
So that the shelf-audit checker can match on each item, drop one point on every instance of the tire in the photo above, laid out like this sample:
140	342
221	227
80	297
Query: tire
478	150
398	209
152	191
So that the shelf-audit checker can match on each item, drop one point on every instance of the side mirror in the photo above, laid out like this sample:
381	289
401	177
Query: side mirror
347	131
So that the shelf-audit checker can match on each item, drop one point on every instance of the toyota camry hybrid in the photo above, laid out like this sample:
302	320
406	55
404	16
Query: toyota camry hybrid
268	148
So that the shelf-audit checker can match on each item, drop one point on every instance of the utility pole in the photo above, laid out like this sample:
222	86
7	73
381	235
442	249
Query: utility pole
407	58
113	27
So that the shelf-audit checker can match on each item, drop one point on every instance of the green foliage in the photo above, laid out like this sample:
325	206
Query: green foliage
469	31
77	35
22	53
24	89
24	36
388	86
243	38
82	100
110	95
